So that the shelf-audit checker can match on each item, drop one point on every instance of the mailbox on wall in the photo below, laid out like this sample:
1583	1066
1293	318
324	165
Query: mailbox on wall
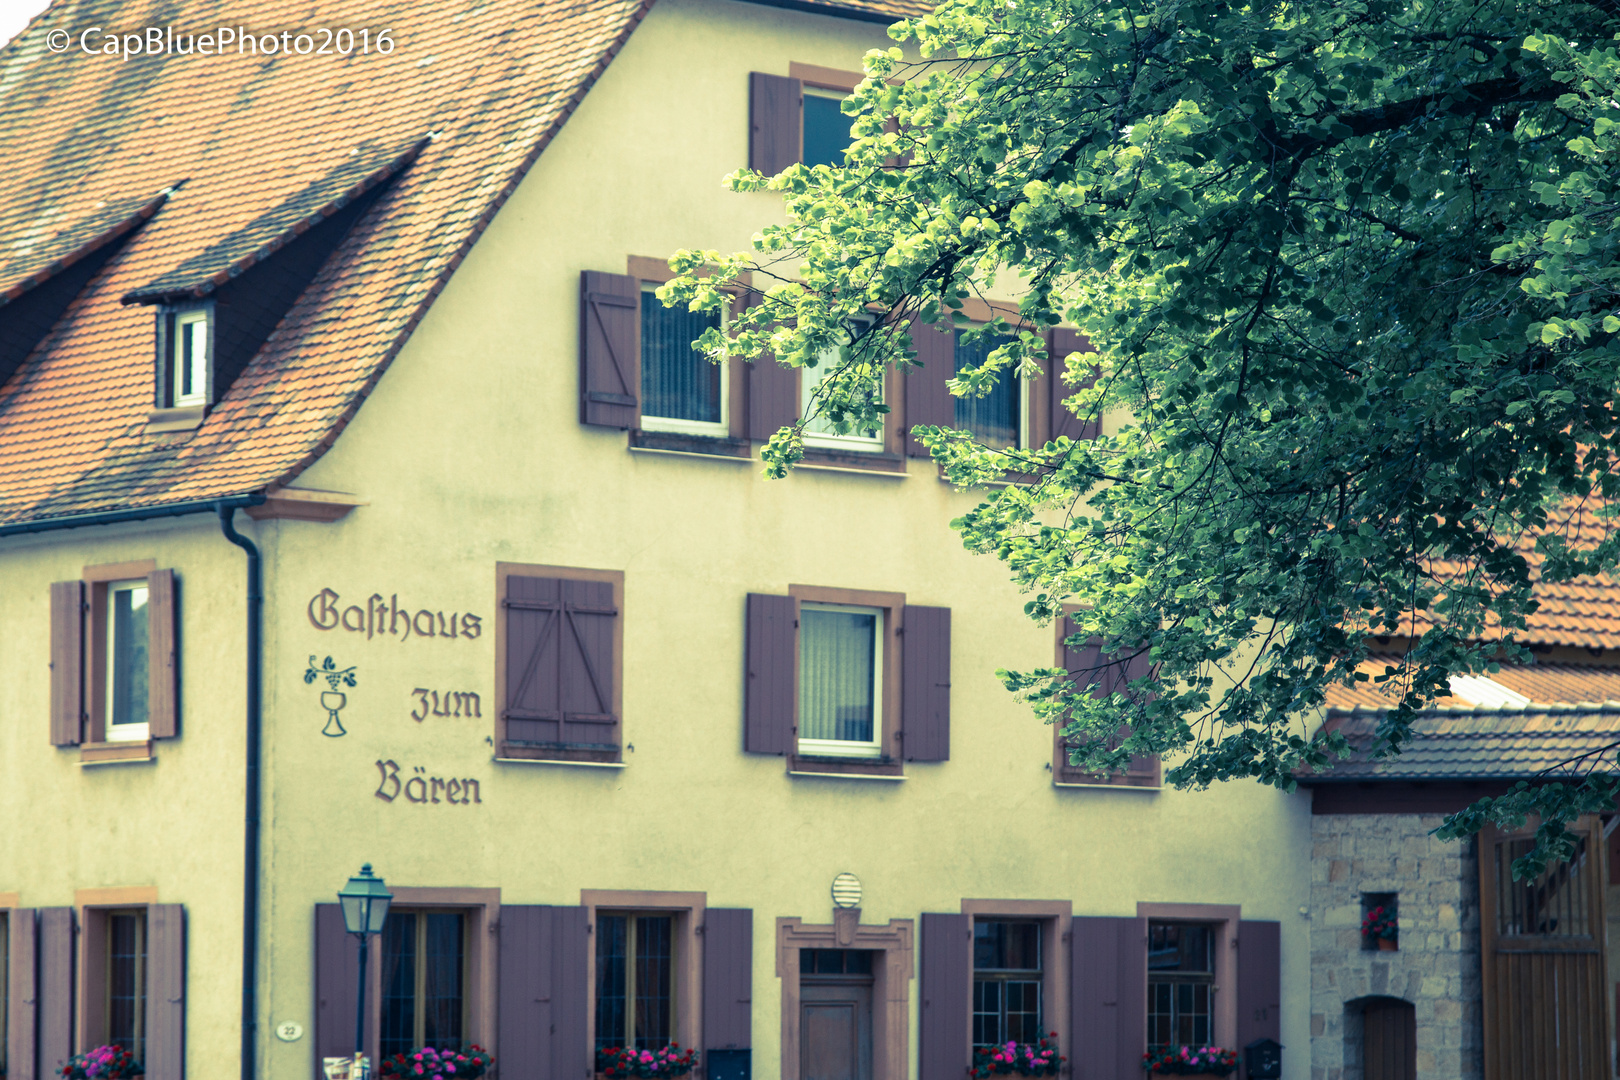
1262	1060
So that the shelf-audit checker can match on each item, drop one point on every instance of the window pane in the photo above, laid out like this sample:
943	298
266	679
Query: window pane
986	1012
993	419
442	958
610	976
826	130
835	674
398	1033
1023	1011
1554	903
127	619
654	963
677	381
1186	947
811	379
194	372
126	982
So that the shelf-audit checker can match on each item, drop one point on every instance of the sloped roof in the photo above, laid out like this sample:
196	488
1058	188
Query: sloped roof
1543	684
1466	743
261	143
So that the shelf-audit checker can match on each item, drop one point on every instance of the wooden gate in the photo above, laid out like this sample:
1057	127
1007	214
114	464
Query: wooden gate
1542	962
1389	1040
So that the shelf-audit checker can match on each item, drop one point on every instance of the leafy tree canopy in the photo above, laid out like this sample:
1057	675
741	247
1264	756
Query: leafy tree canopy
1351	270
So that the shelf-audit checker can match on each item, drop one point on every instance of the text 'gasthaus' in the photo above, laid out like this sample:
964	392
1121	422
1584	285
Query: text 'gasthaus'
386	618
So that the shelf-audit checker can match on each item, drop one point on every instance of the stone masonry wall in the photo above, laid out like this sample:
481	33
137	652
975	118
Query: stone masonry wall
1436	967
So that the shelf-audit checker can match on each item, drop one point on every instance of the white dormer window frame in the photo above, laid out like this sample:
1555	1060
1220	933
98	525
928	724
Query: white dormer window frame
188	373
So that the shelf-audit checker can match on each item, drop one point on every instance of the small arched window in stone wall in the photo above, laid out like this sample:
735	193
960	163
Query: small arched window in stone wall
1380	1039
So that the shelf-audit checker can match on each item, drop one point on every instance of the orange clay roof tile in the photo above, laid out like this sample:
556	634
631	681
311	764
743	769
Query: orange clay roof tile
91	137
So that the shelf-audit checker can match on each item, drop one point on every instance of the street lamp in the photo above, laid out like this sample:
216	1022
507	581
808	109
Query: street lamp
365	907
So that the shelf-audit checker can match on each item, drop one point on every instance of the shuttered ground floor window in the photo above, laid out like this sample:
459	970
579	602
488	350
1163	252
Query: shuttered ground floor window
635	980
424	959
1006	981
126	981
1181	983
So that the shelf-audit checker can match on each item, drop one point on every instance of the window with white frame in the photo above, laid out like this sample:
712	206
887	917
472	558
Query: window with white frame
635	980
1006	981
840	680
820	431
128	700
188	358
682	391
1000	418
826	127
1181	983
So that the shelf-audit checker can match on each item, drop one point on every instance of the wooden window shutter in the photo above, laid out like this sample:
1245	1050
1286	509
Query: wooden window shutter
55	988
561	634
728	979
67	663
162	655
1259	981
543	992
1062	342
928	397
772	693
337	981
925	683
166	992
773	391
945	1012
609	349
775	121
1144	769
1107	997
22	995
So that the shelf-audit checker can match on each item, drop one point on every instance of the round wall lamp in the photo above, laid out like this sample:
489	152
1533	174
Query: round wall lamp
846	891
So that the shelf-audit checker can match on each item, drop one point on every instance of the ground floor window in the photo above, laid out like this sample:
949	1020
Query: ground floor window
1006	981
126	981
635	980
424	964
1181	983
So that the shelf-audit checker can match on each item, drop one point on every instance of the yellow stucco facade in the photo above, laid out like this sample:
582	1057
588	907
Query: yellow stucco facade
470	453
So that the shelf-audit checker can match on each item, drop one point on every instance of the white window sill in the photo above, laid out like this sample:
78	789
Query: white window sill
553	761
1110	787
123	752
848	775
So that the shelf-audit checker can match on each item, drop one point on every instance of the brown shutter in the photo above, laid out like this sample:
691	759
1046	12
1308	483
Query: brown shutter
22	995
560	639
1062	343
772	667
543	992
925	683
773	391
1144	769
55	988
945	977
1259	982
166	992
609	349
928	398
162	655
1107	997
67	663
776	122
337	971
728	979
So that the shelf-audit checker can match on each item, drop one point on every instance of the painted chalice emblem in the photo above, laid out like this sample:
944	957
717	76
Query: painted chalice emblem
332	699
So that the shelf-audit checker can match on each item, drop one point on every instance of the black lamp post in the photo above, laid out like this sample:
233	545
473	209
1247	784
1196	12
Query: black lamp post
365	907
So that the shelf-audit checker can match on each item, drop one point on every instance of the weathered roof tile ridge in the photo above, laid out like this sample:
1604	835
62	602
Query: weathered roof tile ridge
100	231
1532	708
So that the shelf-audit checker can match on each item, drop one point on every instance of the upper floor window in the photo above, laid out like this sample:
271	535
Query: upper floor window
424	981
1181	983
190	345
128	699
826	128
681	389
1006	981
635	981
998	419
840	680
821	431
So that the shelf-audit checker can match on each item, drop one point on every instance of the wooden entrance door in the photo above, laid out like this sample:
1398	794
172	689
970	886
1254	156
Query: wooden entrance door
835	1030
1542	945
1389	1040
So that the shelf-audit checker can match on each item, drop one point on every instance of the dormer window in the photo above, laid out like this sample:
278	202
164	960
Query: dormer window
190	349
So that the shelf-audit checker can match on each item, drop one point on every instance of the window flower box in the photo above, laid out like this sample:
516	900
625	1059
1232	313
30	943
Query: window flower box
616	1062
102	1063
1190	1061
428	1063
1014	1058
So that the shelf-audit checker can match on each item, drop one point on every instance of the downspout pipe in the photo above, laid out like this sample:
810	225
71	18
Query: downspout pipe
250	854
